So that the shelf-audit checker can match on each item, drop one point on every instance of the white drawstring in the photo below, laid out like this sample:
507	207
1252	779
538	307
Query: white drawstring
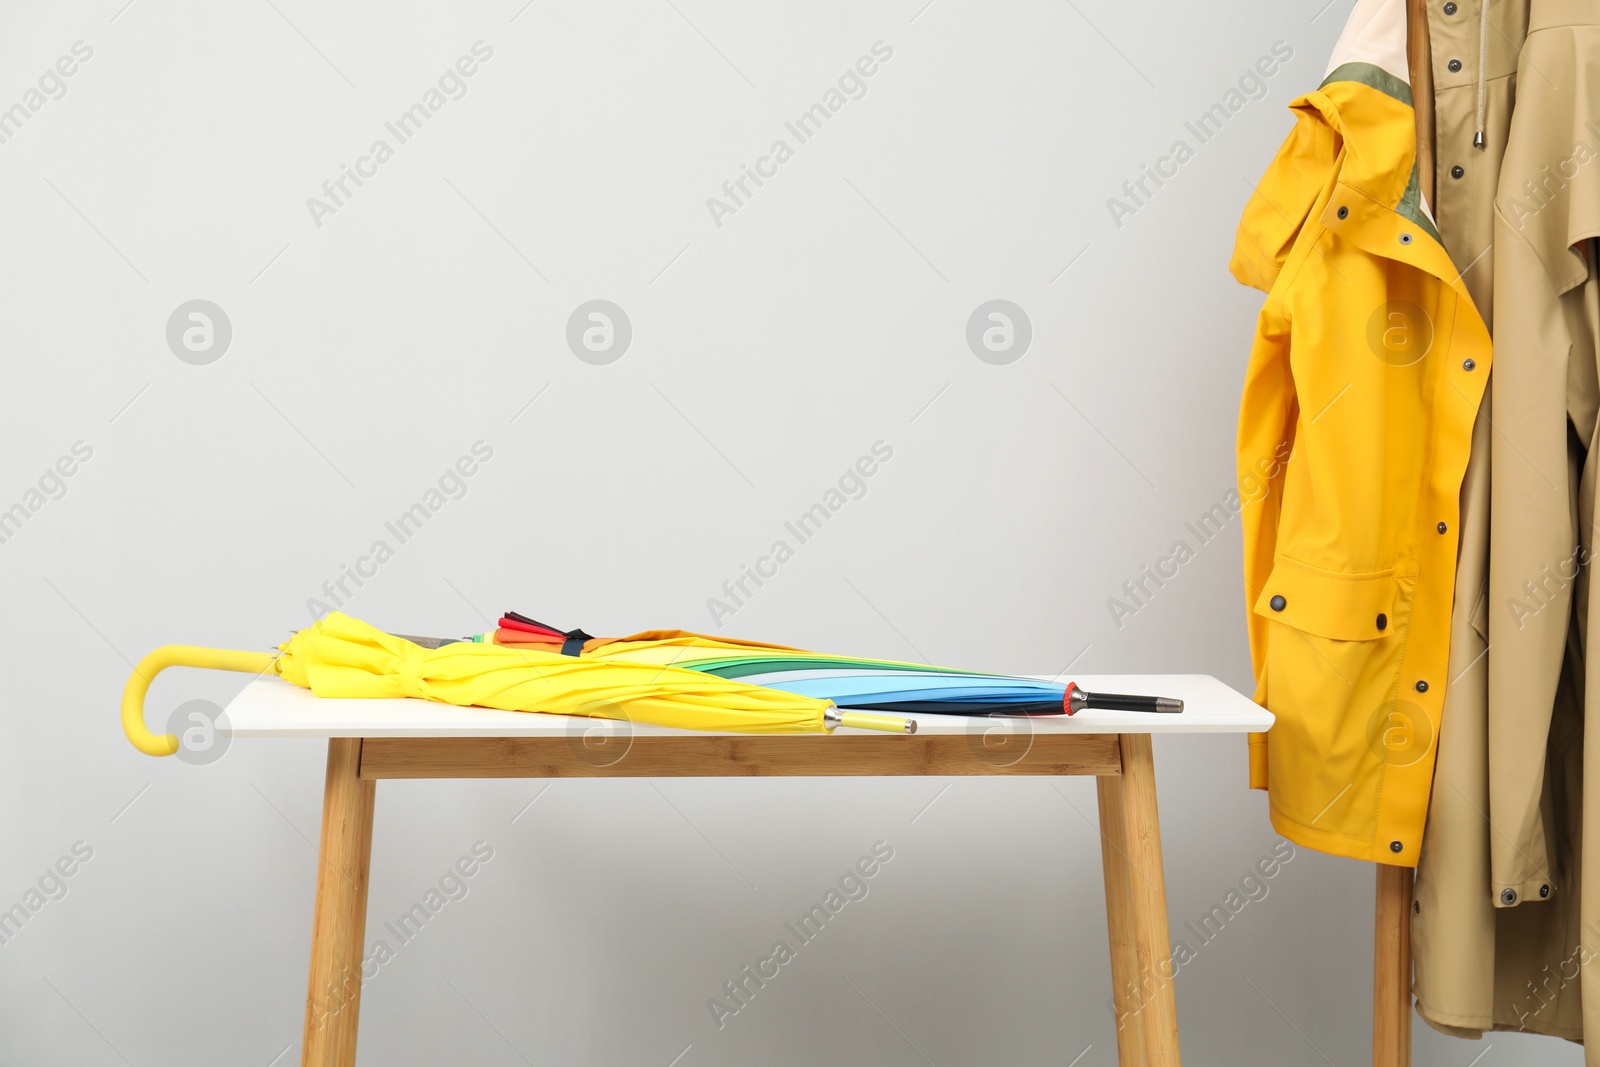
1478	141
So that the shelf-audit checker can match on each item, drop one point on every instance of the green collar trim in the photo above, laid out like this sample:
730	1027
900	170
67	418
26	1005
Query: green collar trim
1410	206
1370	75
1375	77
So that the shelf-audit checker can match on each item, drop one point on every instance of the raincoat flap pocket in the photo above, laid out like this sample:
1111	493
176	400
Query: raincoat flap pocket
1332	604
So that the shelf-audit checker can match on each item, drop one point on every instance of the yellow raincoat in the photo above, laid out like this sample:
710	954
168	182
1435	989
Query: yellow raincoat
1354	431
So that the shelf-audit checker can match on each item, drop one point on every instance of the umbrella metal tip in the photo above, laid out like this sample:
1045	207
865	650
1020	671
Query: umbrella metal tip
911	726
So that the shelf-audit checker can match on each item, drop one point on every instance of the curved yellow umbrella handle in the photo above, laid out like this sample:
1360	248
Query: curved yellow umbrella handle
216	659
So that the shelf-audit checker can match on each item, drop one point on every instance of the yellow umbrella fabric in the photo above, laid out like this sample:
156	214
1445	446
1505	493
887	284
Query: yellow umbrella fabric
668	647
344	657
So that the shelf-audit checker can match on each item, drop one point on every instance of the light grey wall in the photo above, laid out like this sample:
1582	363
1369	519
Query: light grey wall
772	346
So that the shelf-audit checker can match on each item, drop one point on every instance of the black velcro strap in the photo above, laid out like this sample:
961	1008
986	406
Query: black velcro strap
572	646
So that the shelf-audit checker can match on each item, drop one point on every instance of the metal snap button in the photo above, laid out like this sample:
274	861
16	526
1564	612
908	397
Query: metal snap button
1508	896
1544	891
1344	213
1422	687
1454	65
1443	527
1450	8
1405	238
1278	603
1383	621
1469	364
1457	171
1395	846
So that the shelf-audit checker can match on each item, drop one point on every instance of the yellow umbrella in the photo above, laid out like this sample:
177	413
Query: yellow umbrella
344	657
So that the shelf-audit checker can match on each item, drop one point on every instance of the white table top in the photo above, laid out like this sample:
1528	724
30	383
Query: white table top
271	707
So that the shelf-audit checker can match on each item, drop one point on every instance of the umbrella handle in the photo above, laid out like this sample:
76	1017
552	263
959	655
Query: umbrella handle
216	659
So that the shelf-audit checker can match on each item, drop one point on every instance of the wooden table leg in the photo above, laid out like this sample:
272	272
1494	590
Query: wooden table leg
1127	997
339	923
1136	911
1391	969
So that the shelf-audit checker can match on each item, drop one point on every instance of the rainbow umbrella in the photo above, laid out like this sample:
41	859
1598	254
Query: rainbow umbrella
846	681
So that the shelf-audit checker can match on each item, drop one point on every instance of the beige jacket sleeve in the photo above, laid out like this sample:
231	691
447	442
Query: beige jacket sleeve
1545	399
1533	557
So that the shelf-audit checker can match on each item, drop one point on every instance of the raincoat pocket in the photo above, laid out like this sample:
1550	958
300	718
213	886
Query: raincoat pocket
1330	604
1331	661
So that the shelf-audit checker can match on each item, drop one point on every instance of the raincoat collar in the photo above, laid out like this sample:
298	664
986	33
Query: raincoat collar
1371	52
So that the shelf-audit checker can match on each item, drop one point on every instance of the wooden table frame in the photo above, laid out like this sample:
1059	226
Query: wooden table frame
1130	838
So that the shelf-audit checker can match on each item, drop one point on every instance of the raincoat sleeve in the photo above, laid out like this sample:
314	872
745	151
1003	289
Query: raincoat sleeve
1274	218
1265	443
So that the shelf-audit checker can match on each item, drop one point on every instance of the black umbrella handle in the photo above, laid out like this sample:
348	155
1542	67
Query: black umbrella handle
1078	699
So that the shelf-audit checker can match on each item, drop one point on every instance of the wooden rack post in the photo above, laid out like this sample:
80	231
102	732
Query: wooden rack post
1391	969
1391	942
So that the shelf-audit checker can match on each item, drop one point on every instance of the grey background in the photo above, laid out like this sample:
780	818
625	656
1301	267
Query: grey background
768	354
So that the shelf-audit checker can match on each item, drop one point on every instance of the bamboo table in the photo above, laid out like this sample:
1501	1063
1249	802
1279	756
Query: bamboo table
373	739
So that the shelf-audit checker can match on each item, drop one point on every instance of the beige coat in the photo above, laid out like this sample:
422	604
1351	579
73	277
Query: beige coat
1453	928
1497	934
